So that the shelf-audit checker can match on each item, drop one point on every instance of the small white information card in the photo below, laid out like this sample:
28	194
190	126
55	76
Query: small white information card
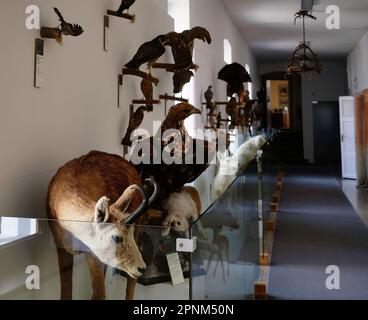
176	271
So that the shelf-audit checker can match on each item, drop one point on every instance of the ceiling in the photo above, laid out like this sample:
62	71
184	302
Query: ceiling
268	27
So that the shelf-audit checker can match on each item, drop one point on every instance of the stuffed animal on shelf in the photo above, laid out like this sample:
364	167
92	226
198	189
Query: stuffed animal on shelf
180	208
231	167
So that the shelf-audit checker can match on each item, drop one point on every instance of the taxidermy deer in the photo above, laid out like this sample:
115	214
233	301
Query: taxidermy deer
231	167
94	202
180	208
223	246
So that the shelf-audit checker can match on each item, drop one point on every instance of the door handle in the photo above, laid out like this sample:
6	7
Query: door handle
342	138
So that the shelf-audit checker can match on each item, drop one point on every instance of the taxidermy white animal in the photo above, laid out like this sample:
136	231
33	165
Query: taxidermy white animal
232	166
181	207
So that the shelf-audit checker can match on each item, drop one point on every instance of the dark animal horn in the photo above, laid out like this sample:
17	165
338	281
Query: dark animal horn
141	210
156	191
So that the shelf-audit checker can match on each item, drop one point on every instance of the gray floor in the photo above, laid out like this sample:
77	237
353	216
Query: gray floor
318	227
357	197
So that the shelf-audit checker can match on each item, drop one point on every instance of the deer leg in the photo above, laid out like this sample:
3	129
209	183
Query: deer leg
130	289
66	274
209	261
228	263
97	273
217	263
223	267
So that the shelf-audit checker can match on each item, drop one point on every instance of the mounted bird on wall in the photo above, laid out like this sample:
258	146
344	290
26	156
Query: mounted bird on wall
235	75
65	28
182	45
172	177
232	109
135	121
208	95
149	52
180	79
125	5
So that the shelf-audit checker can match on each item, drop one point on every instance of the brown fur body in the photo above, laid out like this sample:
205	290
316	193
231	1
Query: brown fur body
72	195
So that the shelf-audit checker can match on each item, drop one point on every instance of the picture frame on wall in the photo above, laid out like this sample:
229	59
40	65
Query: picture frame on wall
284	95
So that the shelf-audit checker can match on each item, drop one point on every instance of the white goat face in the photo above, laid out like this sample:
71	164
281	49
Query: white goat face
114	243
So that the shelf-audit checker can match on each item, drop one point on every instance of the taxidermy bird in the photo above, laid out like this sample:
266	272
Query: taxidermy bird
235	75
147	89
125	5
135	121
148	52
68	29
208	95
180	79
150	156
182	45
233	112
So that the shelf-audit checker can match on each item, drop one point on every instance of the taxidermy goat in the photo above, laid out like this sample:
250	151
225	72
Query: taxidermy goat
181	207
231	167
92	204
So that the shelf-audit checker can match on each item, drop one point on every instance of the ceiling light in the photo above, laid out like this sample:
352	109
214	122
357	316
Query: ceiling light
307	5
303	59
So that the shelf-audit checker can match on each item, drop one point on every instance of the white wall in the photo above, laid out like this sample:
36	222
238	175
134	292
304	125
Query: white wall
76	110
212	15
358	66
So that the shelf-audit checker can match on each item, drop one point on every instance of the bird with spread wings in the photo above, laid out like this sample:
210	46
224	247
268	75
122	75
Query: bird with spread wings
182	45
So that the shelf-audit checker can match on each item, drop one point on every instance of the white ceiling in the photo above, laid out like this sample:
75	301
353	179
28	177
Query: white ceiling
268	27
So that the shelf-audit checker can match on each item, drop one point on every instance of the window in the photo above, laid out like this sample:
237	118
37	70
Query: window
250	84
228	53
14	229
179	10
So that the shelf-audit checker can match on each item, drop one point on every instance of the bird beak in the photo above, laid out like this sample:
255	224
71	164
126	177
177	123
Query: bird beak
195	111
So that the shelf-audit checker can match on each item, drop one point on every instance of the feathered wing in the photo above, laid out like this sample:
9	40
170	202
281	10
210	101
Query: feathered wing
61	18
147	52
125	5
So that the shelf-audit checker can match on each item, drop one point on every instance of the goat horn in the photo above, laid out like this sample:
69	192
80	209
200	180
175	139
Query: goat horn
156	190
142	208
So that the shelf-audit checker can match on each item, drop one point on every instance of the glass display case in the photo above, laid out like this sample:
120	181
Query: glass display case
227	241
226	265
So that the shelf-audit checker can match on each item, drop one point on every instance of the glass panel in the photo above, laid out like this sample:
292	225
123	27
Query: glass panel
30	269
225	265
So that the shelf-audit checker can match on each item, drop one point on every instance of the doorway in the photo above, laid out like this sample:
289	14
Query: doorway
327	147
278	106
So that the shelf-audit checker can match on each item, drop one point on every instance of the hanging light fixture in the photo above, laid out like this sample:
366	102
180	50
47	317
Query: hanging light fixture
303	59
